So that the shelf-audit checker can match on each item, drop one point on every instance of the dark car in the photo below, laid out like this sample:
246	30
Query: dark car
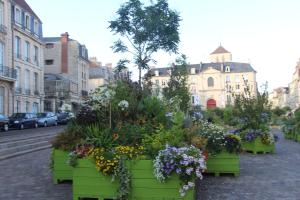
64	118
47	119
4	122
23	120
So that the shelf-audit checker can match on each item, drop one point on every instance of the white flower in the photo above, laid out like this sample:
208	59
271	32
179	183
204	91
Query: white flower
123	104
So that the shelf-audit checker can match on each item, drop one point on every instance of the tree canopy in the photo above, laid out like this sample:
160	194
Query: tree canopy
144	30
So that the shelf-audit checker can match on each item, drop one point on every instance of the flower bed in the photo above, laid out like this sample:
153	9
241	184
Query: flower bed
89	183
223	162
145	186
257	146
61	169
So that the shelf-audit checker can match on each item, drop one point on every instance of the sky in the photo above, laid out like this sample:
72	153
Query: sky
265	33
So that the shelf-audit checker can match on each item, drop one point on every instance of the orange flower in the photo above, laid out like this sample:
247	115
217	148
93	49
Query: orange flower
115	136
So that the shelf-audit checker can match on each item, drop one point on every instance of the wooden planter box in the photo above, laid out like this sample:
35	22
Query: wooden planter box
61	169
298	137
223	163
90	183
146	187
256	146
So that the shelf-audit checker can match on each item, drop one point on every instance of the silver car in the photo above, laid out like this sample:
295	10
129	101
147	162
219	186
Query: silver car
47	119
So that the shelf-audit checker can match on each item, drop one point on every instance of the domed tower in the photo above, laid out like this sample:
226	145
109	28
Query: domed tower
220	55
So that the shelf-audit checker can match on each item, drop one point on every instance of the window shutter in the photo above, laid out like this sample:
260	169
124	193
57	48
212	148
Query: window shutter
32	24
13	14
40	30
23	19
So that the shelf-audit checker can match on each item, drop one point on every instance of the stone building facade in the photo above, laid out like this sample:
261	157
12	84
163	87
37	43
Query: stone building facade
7	72
279	97
68	59
27	58
212	84
99	74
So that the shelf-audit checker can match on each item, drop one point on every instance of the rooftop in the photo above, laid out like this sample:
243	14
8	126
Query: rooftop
220	50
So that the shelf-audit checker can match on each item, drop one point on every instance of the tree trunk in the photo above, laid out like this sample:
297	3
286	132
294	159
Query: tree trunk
140	77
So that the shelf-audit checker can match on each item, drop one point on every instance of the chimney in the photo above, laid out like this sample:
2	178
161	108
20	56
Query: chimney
222	67
64	52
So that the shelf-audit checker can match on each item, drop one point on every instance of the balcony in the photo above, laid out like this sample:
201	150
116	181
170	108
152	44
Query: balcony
8	73
27	91
84	93
3	29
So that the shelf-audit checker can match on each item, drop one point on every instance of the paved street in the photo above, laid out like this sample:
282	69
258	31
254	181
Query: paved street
263	177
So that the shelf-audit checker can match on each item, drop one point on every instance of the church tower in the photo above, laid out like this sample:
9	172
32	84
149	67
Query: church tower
220	55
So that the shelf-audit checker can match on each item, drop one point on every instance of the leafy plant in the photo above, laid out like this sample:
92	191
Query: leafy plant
99	137
146	30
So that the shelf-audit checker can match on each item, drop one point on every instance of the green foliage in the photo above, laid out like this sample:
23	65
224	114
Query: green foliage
124	177
146	30
254	111
99	137
68	139
178	84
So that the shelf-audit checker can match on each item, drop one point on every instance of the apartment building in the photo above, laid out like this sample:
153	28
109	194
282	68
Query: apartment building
7	73
212	84
68	59
27	58
99	74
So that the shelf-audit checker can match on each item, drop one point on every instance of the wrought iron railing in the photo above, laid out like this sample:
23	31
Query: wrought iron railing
8	72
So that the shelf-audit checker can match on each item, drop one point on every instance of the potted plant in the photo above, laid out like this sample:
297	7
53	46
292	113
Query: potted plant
223	148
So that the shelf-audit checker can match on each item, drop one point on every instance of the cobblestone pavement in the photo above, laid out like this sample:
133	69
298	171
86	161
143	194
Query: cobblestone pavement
28	177
263	177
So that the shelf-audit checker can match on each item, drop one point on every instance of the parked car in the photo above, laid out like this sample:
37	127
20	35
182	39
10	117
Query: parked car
47	119
23	120
64	118
4	122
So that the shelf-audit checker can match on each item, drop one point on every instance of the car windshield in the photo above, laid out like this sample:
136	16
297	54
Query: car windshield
18	115
2	116
39	115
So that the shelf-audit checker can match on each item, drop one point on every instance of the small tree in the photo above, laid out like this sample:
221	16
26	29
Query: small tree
146	29
178	86
254	111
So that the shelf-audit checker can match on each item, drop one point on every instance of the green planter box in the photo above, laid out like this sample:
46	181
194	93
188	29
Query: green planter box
256	146
61	170
89	183
223	163
298	137
146	187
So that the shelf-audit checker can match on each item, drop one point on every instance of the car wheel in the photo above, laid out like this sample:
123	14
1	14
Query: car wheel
21	127
5	128
45	124
36	125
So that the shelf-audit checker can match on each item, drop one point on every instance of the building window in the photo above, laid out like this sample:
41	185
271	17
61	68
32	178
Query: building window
2	94
27	22
227	69
27	79
156	73
18	77
35	107
49	45
228	100
193	71
237	87
18	106
36	55
17	47
245	77
36	82
27	51
210	82
227	79
157	82
1	13
49	62
18	15
36	27
27	106
1	57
